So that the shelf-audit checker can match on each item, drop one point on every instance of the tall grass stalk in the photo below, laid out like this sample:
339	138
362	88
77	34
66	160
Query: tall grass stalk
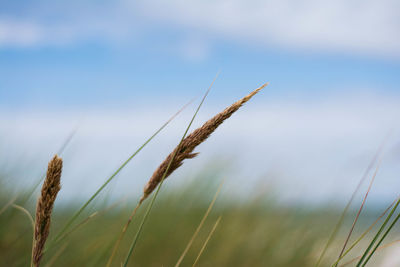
126	226
208	239
200	225
133	244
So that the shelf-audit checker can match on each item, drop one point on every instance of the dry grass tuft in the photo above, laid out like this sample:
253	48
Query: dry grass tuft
50	189
184	150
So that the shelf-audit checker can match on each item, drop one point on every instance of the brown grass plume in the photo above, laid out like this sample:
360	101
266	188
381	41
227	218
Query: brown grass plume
185	149
50	189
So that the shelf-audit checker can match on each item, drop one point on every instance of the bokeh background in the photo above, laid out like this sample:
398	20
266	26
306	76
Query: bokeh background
114	71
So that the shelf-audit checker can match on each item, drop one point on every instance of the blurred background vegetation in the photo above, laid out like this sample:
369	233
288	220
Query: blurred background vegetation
257	231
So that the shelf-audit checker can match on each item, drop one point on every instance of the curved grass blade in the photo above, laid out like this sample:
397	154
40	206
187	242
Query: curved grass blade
26	212
206	242
8	204
200	225
133	244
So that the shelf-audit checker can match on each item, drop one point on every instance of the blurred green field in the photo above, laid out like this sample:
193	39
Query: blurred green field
254	232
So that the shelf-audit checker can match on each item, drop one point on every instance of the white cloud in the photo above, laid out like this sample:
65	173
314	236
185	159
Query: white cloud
317	149
66	23
368	27
19	33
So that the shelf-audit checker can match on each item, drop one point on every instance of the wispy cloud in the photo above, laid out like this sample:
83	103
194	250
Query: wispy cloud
48	23
19	33
368	27
363	27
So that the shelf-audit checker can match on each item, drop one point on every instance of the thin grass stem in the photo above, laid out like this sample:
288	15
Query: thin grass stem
378	233
200	225
364	233
378	249
381	240
208	239
121	236
360	209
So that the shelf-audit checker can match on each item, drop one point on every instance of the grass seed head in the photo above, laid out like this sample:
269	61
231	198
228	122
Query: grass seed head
185	149
50	189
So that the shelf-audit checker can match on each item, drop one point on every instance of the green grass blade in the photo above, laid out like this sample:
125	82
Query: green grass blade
381	240
121	236
133	244
208	239
377	234
378	249
75	216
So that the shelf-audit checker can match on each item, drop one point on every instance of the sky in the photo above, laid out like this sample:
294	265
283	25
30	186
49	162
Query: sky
118	69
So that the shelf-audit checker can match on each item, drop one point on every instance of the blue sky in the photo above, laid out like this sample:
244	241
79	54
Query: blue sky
119	69
97	75
108	53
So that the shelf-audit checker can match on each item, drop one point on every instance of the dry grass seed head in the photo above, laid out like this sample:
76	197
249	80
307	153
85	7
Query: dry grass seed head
50	189
185	149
